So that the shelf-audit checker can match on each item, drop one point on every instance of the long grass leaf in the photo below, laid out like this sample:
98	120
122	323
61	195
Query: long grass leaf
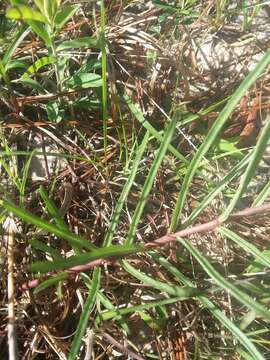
139	116
42	224
81	259
238	294
88	307
212	308
212	136
150	180
248	247
182	292
251	169
125	191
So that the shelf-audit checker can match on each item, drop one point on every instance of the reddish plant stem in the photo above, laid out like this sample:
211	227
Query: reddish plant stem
169	238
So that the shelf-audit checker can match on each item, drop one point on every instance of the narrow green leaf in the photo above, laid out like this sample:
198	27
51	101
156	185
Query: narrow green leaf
238	294
248	247
263	195
52	209
150	180
125	191
212	308
42	224
139	116
88	307
114	314
251	169
39	245
53	280
212	135
22	12
175	290
22	32
101	253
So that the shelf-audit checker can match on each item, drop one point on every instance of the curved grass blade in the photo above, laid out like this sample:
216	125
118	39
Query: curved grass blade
221	185
53	280
55	254
181	292
212	308
81	259
114	314
139	116
44	61
23	31
52	209
248	247
212	136
251	169
263	195
149	181
42	224
125	191
238	294
88	307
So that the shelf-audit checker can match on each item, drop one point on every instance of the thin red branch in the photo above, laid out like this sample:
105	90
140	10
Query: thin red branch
169	238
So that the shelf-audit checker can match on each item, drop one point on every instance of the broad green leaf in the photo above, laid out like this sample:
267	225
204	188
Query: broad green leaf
41	31
81	259
84	42
84	80
55	114
23	12
44	61
64	15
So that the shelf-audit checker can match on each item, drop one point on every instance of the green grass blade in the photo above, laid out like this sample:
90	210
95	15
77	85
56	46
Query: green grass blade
212	136
139	116
263	195
238	294
88	307
23	31
149	180
114	314
125	191
39	245
212	308
81	259
248	247
251	169
52	209
174	290
220	186
25	177
104	73
41	224
53	280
